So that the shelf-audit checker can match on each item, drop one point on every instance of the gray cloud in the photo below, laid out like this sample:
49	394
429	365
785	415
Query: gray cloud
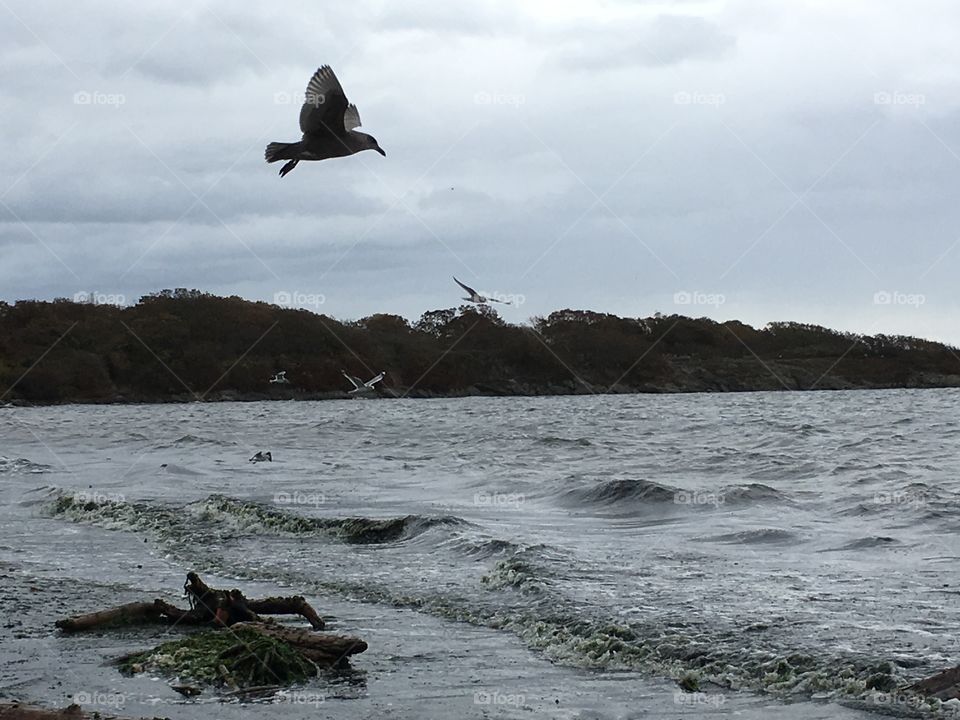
428	17
664	40
697	126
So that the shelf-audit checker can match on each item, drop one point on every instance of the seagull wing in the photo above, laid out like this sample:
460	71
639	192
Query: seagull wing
355	381
473	293
351	117
373	381
324	104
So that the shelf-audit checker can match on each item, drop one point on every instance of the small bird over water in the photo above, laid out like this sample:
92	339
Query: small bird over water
327	121
361	386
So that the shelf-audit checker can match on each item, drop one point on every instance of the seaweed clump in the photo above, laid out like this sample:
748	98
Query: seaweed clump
242	658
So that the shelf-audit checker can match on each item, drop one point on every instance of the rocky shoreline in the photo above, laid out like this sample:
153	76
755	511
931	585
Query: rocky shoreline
696	380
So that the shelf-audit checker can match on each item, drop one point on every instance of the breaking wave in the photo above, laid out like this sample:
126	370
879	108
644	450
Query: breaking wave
752	493
614	492
761	536
866	543
555	441
21	465
226	516
524	596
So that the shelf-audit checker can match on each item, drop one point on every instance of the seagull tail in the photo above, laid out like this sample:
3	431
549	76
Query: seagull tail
279	151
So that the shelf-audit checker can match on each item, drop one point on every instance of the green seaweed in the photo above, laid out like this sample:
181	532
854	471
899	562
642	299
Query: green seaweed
239	657
689	682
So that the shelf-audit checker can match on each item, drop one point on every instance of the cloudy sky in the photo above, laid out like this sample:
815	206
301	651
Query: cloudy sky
745	159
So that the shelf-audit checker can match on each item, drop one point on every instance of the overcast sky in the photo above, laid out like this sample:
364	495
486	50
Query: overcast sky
751	160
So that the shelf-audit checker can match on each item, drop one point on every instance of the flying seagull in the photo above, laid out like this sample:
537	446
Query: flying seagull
327	121
359	385
280	378
476	297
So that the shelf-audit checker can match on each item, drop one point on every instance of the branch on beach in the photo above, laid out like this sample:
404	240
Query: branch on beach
240	651
208	606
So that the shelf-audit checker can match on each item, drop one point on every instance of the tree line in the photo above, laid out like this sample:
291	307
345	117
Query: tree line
186	344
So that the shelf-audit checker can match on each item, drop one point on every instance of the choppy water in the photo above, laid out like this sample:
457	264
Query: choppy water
554	557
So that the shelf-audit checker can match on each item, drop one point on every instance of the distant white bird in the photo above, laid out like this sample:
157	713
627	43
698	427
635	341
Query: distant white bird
359	385
262	456
280	377
476	297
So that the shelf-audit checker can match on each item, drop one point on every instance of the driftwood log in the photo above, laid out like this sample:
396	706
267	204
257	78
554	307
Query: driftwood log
325	650
253	651
14	711
208	606
18	711
945	685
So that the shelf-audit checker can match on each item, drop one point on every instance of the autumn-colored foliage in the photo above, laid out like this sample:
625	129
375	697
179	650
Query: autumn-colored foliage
185	344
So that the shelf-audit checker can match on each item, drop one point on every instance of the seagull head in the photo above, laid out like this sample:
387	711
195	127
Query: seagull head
370	143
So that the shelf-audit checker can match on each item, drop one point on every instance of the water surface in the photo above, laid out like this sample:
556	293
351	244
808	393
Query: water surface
562	557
